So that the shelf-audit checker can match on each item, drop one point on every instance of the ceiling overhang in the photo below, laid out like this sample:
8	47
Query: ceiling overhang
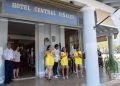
60	4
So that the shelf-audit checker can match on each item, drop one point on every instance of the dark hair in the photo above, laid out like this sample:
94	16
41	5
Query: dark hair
8	43
76	47
16	47
48	47
56	45
62	49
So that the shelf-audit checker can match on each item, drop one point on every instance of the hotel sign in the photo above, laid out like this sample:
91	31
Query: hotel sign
42	12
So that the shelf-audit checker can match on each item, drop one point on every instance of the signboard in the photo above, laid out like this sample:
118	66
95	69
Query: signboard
44	13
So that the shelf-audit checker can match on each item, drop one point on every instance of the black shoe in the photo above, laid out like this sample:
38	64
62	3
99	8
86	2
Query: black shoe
11	81
49	79
7	82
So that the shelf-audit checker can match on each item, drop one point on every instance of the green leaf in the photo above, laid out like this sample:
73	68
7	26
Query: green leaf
111	65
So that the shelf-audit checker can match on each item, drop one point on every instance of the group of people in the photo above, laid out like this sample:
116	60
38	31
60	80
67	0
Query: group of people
54	56
12	63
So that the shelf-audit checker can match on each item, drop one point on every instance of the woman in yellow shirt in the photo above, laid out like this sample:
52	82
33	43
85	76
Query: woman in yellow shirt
64	62
78	60
49	60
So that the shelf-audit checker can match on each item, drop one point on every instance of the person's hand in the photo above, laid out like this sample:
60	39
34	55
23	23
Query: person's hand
69	59
12	59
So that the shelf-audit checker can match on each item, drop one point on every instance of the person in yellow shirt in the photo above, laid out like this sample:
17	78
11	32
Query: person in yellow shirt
78	61
49	60
64	62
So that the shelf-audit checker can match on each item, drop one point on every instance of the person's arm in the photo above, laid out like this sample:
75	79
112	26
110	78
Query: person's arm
14	55
80	54
67	54
62	55
4	54
55	53
75	55
45	53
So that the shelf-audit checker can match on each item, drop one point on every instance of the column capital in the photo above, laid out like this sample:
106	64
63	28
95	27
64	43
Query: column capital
109	34
86	8
4	19
41	24
62	27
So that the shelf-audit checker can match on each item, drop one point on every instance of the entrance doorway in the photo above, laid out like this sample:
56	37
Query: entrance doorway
23	35
71	38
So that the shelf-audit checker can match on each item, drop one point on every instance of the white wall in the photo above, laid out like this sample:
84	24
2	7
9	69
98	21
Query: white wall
55	32
62	37
3	42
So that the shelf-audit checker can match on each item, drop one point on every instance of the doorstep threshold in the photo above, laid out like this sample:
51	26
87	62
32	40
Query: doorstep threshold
26	78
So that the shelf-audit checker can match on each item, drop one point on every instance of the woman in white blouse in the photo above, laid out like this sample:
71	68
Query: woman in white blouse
16	62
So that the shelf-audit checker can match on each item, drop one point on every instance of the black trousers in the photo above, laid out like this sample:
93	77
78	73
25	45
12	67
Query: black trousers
8	71
71	65
55	68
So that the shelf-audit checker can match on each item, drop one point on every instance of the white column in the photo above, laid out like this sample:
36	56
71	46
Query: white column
80	39
39	47
3	42
110	44
90	46
62	36
55	33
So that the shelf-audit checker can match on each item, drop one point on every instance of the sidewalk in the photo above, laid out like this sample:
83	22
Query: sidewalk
112	83
58	82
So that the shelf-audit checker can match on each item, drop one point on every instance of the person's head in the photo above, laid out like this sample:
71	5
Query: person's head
49	48
56	46
77	49
64	49
9	45
17	48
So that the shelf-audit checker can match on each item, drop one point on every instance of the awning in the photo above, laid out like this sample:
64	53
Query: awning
103	31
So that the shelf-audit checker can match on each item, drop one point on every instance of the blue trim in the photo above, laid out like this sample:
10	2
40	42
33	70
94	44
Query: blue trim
50	18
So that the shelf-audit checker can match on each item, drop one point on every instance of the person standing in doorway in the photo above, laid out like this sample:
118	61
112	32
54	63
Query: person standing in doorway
72	65
8	55
78	60
64	62
16	62
49	60
56	58
100	60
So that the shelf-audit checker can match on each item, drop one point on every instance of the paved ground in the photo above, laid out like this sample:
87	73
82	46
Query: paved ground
113	83
72	81
57	82
44	82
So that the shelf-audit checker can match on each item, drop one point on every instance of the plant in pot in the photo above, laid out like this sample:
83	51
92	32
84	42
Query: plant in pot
111	66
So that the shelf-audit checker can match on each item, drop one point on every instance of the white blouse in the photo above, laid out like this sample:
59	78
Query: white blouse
8	54
16	56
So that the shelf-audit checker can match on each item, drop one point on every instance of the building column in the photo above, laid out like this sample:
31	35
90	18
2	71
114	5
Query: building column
80	39
62	36
110	44
90	46
39	48
3	44
54	35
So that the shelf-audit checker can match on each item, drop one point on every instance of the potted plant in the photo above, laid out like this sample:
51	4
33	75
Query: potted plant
111	65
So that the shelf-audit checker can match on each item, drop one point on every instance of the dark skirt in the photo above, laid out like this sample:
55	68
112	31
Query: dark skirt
100	62
16	65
